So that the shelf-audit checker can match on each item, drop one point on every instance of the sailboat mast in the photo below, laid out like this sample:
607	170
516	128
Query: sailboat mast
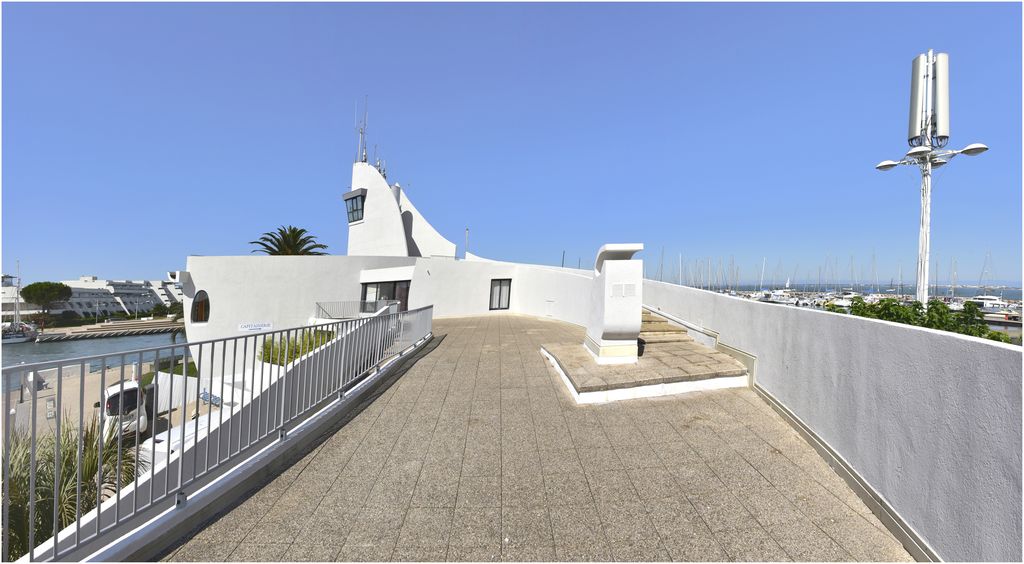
17	297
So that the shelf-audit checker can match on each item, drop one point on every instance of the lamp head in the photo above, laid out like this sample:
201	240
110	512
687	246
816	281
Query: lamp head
918	153
886	165
974	149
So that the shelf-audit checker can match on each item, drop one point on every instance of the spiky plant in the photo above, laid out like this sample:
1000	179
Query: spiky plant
288	240
93	469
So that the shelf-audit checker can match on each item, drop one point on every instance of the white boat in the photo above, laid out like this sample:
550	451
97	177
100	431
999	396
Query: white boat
17	331
846	298
990	304
779	297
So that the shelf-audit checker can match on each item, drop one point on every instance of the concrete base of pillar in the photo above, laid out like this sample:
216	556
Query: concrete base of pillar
612	352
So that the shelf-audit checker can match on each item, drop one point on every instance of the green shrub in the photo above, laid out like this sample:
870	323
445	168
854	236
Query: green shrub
969	321
91	469
282	350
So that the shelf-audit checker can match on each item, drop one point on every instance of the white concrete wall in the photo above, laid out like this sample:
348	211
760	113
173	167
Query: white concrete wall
280	289
461	288
380	233
931	420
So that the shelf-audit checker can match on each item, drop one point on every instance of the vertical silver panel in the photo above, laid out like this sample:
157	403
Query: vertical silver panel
940	98
917	99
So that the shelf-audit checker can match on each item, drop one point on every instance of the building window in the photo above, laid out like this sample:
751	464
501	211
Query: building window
381	291
355	208
500	290
201	307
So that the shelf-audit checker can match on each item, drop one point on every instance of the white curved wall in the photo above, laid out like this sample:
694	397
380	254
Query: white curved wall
380	233
282	290
930	419
425	239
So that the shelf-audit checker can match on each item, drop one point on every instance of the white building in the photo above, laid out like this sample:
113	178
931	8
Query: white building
92	296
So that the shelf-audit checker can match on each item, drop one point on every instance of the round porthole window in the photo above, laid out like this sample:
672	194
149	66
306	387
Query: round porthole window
201	307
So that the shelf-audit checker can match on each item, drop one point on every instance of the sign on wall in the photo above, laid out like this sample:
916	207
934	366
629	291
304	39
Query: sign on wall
256	326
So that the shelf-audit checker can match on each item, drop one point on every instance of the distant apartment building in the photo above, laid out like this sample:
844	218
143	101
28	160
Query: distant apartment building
92	296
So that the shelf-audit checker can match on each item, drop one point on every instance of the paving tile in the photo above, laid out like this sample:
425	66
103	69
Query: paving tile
638	456
396	484
750	545
204	551
376	525
474	553
644	551
479	491
694	545
525	527
583	552
674	516
523	488
328	524
311	552
722	511
365	553
560	461
529	553
476	526
769	506
567	489
653	483
482	461
419	553
258	552
436	489
626	522
804	541
863	540
612	487
426	526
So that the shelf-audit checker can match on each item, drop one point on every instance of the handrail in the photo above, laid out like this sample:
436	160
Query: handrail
267	383
352	309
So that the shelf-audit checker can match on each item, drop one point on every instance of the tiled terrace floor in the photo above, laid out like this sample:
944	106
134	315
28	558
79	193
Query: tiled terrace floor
479	453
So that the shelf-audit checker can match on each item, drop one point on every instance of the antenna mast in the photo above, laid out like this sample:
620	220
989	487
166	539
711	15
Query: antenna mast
361	151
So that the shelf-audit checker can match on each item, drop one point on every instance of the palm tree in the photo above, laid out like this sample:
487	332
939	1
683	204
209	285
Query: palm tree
288	240
106	471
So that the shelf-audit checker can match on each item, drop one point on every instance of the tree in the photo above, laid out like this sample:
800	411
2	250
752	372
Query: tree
288	240
159	310
45	294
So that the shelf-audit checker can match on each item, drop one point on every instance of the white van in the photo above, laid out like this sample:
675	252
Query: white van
124	404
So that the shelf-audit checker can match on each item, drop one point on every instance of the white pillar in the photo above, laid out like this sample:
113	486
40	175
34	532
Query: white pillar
924	239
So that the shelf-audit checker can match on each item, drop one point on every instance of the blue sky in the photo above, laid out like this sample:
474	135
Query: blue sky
137	134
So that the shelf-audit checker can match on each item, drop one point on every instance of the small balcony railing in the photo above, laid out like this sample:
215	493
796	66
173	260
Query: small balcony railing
355	309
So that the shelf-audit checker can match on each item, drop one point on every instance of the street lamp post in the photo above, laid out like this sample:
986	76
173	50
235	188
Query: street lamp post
928	134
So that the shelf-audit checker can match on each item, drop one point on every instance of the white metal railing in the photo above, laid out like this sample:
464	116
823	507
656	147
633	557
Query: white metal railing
354	309
203	408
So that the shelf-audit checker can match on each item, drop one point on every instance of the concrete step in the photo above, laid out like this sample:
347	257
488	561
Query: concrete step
653	338
660	327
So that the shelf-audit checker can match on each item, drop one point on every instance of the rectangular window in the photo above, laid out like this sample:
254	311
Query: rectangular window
381	291
355	208
500	290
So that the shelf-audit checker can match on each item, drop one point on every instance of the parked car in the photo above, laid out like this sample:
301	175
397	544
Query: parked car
124	404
